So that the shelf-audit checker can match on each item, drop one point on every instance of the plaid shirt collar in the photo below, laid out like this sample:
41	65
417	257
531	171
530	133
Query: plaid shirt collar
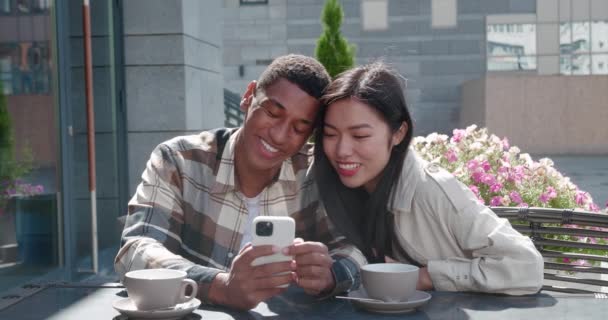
225	180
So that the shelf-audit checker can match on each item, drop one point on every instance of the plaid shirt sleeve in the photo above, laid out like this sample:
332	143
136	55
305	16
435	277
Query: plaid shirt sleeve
318	227
151	235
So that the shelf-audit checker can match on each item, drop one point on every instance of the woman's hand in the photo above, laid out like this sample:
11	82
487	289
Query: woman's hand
424	280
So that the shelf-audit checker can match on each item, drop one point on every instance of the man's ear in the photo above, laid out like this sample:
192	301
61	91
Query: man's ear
399	135
248	96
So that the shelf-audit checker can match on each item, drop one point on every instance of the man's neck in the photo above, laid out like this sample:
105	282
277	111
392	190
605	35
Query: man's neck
249	181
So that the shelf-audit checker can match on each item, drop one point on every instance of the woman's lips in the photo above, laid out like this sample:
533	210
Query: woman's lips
347	169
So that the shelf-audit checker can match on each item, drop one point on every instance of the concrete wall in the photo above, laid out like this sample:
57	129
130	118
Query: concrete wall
173	71
541	114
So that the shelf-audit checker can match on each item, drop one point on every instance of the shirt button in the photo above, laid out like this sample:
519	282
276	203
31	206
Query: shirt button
433	167
230	255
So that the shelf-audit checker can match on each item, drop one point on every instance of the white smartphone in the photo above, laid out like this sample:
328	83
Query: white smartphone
273	230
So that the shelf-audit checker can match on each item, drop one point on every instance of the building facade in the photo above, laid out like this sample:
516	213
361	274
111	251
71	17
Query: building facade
438	45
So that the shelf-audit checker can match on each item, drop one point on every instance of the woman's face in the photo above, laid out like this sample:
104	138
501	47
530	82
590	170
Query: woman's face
358	142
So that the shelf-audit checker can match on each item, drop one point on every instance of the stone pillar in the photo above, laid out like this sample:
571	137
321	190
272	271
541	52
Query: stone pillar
173	73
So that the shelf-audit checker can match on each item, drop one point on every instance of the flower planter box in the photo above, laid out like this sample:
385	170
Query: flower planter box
36	229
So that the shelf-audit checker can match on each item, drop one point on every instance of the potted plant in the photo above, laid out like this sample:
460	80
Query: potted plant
27	215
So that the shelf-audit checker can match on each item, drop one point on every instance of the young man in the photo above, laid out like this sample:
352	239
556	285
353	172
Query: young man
194	208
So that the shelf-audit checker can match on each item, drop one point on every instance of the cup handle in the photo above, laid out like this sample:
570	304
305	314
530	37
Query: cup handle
185	284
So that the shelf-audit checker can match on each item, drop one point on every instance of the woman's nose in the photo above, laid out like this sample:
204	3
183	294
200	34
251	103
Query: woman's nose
343	148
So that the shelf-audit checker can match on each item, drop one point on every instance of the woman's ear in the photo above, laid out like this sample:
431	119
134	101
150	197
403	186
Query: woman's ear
248	96
399	135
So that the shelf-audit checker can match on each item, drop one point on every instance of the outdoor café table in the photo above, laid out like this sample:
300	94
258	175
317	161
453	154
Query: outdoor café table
91	302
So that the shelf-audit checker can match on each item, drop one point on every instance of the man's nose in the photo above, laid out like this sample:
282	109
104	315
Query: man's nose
280	133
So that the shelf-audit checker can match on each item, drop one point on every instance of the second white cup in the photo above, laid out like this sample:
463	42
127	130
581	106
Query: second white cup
151	289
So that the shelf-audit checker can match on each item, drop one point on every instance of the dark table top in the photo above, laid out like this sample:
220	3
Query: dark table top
92	303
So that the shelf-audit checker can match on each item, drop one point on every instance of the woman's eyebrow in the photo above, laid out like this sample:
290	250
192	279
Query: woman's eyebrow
353	127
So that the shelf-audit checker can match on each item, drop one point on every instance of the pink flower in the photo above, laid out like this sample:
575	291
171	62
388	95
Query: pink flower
472	165
488	179
581	262
516	197
505	144
458	135
544	198
496	201
451	156
503	170
580	197
486	166
594	207
474	189
496	187
551	192
477	175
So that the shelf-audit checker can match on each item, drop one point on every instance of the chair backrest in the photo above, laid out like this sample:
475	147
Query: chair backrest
565	237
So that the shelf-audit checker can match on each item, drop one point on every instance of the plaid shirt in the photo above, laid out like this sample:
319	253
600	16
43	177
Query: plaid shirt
187	213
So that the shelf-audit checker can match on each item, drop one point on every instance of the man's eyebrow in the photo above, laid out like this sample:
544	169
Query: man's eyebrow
274	102
355	127
282	107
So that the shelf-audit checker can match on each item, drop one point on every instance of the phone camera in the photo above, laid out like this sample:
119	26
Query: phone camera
264	228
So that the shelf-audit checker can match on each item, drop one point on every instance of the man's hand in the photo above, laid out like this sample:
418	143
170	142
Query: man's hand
245	286
313	266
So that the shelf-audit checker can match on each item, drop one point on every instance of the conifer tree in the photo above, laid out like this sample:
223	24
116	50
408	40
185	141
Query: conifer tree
333	50
6	138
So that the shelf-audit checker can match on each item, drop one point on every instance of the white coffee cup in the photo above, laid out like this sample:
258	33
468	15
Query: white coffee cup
151	289
390	282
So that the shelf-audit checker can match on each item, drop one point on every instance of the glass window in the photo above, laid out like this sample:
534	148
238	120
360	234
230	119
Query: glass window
565	38
580	37
512	47
599	36
5	6
599	64
581	64
253	2
507	63
29	215
565	64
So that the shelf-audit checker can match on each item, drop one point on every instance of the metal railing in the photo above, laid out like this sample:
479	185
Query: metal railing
232	109
554	232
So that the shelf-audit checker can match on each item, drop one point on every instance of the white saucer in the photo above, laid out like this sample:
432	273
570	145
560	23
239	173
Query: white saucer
127	307
419	298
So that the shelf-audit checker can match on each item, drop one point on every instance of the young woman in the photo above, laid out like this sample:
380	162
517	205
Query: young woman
395	206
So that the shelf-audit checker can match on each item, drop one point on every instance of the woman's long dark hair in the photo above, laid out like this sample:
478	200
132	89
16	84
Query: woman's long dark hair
364	218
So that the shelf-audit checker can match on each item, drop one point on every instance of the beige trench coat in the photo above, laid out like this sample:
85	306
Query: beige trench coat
466	247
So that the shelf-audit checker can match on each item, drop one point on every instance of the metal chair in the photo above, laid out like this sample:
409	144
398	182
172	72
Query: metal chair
545	226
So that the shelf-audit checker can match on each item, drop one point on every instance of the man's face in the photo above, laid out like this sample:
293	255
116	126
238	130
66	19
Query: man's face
279	120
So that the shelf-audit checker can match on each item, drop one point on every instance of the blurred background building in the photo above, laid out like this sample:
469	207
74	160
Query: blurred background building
534	71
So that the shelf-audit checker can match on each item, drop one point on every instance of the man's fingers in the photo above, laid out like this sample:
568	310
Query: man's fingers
314	258
315	285
304	247
311	271
249	254
273	281
270	269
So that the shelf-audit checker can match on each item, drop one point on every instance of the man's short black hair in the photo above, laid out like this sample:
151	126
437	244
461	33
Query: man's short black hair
305	72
